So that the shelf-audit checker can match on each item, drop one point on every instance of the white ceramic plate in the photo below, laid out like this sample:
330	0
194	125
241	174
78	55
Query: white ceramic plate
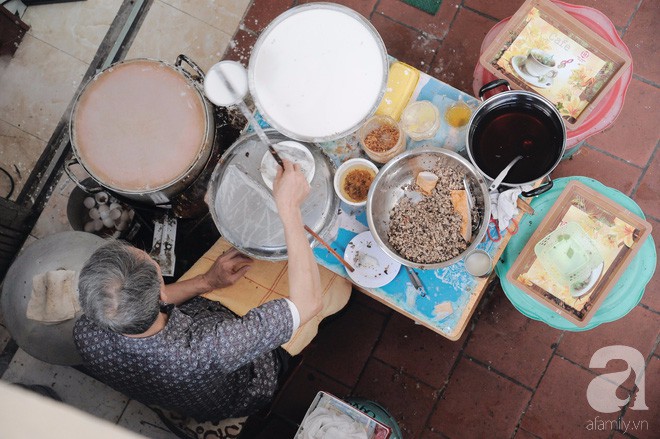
373	268
595	276
291	151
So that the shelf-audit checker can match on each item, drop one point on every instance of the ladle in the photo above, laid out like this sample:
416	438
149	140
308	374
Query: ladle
238	99
502	175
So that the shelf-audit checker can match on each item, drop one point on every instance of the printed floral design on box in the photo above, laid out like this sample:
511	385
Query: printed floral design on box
608	234
555	63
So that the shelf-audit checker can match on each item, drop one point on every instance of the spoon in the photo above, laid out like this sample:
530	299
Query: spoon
500	177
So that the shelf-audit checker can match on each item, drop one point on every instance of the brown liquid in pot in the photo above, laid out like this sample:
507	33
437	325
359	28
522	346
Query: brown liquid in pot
139	126
505	133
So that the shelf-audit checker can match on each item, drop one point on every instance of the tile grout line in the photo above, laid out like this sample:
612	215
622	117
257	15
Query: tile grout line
490	368
632	392
413	378
490	17
648	308
124	409
374	10
538	383
614	156
586	369
371	353
630	19
645	81
331	378
407	26
22	130
475	319
87	63
645	170
451	23
202	21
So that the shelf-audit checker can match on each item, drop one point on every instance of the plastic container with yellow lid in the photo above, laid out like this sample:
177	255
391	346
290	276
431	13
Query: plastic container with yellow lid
401	83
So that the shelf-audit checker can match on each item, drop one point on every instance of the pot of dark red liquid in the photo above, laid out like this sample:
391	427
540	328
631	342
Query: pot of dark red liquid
513	123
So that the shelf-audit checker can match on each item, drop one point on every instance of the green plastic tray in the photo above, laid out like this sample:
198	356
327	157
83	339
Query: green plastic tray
625	295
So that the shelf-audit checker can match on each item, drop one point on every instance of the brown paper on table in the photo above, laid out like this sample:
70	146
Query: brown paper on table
54	297
267	281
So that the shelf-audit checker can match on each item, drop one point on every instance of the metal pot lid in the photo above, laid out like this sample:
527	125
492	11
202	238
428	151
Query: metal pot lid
52	343
244	210
139	125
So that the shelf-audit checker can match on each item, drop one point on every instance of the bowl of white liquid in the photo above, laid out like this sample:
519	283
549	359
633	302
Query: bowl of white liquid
478	263
318	72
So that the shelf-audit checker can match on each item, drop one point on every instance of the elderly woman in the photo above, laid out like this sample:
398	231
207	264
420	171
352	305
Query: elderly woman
163	345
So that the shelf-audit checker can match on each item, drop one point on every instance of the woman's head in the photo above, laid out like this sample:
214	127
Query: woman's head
119	288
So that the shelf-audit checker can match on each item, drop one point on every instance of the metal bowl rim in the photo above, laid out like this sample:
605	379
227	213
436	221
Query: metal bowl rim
295	10
480	183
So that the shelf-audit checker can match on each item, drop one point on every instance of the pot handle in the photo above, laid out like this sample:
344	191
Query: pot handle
539	190
491	85
73	178
200	73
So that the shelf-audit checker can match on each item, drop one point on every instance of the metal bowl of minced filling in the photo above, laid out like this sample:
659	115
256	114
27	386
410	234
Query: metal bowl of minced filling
433	224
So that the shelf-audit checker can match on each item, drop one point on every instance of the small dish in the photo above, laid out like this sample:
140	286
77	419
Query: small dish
291	151
478	263
580	289
373	268
355	173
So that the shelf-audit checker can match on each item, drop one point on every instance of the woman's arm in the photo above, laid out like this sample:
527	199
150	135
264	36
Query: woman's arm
226	270
290	189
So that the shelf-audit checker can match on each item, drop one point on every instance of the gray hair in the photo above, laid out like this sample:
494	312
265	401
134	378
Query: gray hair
120	289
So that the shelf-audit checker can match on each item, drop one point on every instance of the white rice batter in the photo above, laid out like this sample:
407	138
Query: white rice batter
318	73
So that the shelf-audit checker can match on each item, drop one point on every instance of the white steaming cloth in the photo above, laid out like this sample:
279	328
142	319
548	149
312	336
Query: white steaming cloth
322	423
503	205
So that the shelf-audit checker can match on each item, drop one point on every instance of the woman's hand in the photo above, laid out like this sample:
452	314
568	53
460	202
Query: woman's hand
227	269
290	189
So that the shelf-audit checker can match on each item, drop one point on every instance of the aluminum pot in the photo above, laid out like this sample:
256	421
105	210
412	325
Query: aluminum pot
513	123
142	129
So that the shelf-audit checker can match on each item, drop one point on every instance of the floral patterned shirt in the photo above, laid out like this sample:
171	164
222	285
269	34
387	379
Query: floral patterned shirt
206	363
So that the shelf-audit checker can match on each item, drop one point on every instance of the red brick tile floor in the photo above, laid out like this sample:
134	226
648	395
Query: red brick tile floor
508	376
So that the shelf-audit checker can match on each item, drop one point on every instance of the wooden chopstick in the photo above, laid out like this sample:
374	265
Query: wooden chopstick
276	156
524	206
348	266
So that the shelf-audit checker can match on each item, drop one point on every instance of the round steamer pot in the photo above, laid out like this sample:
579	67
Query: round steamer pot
513	123
142	129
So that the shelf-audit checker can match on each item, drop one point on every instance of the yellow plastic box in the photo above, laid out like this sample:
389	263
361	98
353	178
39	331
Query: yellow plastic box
401	83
